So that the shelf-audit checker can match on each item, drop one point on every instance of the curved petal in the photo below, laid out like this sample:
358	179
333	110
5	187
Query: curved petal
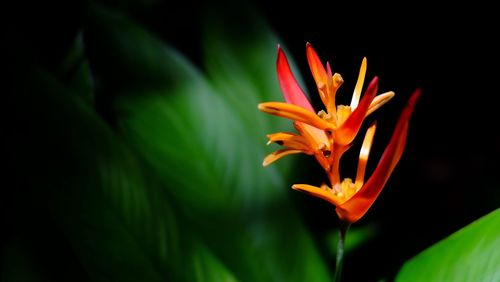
295	113
290	140
378	101
353	209
348	130
291	90
274	156
363	156
323	81
325	194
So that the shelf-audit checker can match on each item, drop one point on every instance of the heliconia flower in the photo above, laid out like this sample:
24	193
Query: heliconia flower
340	123
352	200
330	132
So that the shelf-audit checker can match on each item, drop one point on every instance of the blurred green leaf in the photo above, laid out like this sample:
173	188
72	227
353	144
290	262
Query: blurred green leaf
241	64
175	116
74	71
115	215
470	254
206	147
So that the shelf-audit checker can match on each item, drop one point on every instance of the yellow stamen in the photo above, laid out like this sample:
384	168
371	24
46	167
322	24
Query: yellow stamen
343	113
347	190
323	91
337	81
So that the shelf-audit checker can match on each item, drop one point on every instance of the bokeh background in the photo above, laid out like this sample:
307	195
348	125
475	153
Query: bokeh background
134	144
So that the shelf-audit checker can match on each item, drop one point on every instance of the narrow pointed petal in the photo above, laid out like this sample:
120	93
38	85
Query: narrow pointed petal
348	130
291	90
363	156
353	209
319	73
325	194
359	85
274	156
379	100
295	113
328	69
290	140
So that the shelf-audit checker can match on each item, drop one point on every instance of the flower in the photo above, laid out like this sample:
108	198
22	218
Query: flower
328	134
341	122
354	199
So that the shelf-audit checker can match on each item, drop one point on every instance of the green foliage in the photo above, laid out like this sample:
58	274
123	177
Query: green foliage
111	210
151	170
470	254
205	146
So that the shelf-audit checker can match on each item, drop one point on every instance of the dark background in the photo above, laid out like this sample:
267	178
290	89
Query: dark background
448	174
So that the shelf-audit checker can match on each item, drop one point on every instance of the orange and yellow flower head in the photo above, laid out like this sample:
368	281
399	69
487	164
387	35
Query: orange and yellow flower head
329	133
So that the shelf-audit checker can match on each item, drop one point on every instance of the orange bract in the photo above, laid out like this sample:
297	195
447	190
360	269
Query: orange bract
330	133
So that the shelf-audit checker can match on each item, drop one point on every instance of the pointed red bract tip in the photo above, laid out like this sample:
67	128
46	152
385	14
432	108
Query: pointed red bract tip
328	69
290	88
414	97
410	105
358	205
279	50
373	83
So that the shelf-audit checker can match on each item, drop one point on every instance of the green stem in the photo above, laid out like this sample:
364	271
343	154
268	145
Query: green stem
344	226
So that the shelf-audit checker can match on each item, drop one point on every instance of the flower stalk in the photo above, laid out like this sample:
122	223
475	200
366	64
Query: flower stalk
343	228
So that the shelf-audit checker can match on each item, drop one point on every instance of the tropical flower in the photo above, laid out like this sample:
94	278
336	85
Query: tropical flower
328	134
341	122
354	199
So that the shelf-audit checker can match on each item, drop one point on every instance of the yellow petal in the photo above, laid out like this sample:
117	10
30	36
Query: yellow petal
274	156
359	85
